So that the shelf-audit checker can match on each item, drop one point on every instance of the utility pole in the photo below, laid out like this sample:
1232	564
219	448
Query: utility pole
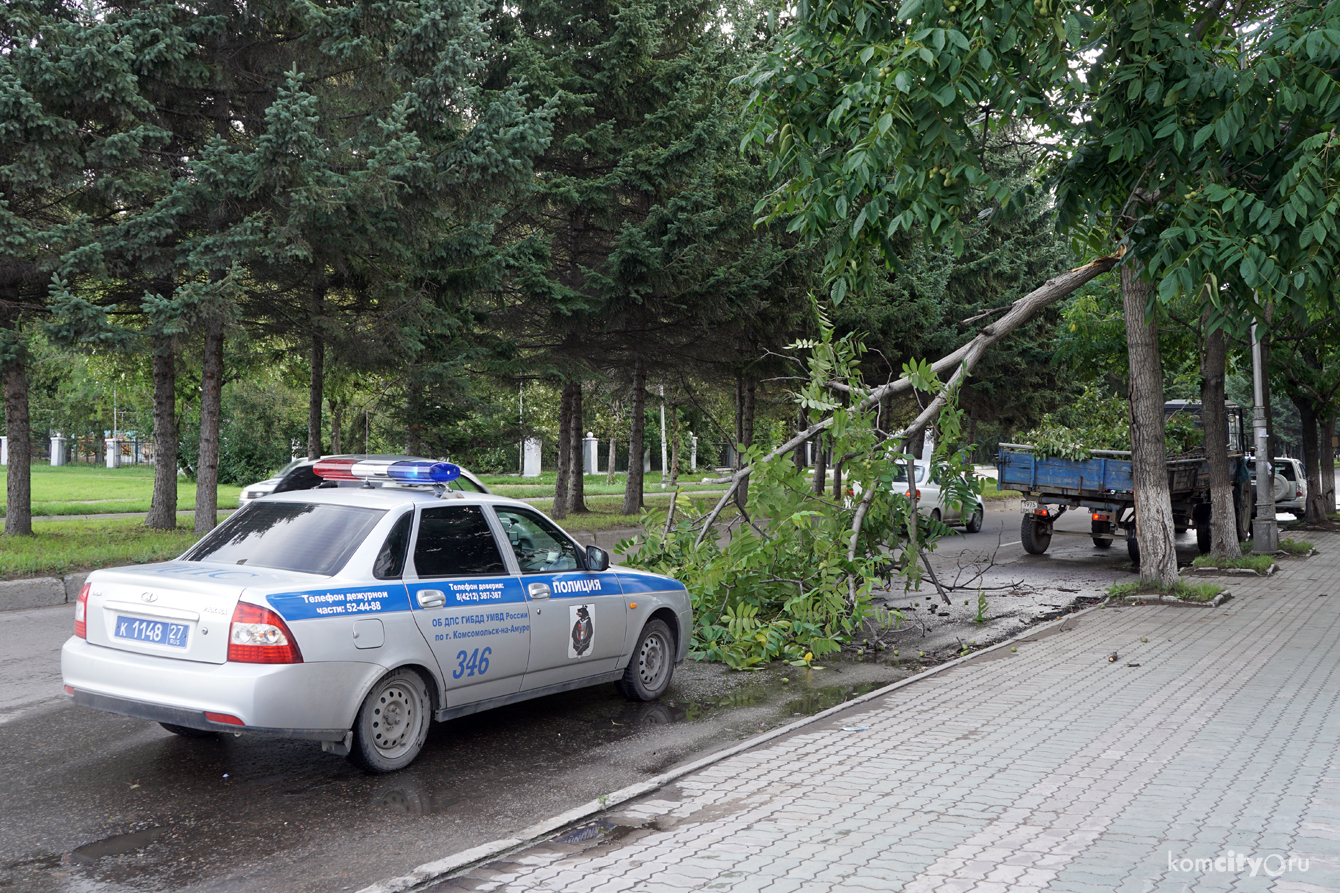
1265	531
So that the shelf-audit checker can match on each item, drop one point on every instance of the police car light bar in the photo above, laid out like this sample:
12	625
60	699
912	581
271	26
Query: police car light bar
401	471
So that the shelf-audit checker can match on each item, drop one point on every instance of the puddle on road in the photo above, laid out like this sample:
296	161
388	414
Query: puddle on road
704	694
116	845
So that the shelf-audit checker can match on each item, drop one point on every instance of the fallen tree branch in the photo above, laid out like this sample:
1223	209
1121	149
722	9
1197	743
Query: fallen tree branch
962	360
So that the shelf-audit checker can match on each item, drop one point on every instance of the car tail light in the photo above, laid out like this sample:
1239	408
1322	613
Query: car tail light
81	612
259	636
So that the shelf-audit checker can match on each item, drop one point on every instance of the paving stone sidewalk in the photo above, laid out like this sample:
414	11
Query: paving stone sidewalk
1204	758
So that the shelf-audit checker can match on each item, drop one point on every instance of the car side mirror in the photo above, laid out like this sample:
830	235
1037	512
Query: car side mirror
597	559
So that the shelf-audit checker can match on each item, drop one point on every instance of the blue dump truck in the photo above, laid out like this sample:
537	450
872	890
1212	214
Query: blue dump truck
1103	486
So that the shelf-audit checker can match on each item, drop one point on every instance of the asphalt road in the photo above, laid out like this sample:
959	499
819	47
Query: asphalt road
97	803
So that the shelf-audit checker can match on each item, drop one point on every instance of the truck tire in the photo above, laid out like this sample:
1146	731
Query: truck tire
1132	544
1204	533
1034	535
1102	534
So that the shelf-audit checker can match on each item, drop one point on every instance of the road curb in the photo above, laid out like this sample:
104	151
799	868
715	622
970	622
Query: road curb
39	592
439	869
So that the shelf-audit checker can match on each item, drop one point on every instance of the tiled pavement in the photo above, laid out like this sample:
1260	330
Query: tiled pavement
1205	758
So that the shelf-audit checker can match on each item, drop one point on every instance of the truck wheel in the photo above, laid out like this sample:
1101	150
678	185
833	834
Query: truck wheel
1102	535
1204	533
1132	544
1035	536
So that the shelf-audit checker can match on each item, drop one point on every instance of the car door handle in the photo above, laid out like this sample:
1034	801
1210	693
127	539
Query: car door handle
538	590
431	598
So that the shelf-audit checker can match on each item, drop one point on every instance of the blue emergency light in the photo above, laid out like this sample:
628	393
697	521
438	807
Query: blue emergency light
401	471
423	472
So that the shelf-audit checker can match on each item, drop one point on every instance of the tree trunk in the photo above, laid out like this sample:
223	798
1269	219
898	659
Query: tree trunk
316	385
576	448
336	420
798	454
413	433
917	444
609	469
163	505
1149	458
747	411
820	465
564	465
1223	507
632	493
1315	507
1328	462
18	474
211	414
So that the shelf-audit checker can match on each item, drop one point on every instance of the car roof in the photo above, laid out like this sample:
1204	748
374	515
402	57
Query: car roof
390	495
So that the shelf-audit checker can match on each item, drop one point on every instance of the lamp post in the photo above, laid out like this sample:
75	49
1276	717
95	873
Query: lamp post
1265	531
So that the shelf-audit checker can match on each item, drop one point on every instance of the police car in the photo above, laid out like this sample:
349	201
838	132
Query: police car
354	617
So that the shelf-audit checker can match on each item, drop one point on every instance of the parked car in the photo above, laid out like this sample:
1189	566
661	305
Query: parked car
936	502
1283	490
354	617
298	475
1295	501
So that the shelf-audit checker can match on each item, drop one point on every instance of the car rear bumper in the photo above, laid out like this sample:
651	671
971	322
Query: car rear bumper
316	701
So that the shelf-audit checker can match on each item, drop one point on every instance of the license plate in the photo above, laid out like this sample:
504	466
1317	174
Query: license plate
1028	505
158	632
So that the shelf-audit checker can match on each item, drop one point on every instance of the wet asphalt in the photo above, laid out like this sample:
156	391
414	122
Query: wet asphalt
92	802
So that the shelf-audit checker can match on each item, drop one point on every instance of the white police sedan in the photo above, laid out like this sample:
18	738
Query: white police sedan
354	617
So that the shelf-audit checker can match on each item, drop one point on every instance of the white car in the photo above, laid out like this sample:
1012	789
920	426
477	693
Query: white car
354	617
935	502
299	475
1282	488
1295	499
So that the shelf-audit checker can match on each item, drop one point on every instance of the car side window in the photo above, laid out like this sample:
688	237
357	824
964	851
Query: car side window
539	546
455	540
390	561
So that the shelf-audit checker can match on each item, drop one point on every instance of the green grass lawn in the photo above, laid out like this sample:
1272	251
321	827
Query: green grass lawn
85	490
66	547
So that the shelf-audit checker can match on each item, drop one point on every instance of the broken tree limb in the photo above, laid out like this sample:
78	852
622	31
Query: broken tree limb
965	358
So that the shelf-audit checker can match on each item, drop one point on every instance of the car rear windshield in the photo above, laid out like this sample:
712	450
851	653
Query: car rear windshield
311	538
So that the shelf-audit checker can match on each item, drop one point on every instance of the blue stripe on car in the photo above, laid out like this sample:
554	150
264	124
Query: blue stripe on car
313	603
633	583
474	593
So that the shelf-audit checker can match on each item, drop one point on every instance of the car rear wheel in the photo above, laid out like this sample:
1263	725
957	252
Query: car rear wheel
392	723
975	521
187	731
653	661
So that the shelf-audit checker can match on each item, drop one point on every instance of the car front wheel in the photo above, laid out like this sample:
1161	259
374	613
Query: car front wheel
975	521
392	723
653	661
